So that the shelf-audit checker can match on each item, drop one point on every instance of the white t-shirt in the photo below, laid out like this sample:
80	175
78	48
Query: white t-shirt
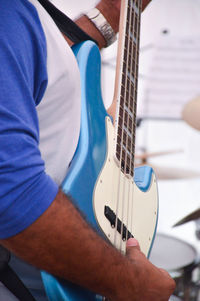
59	110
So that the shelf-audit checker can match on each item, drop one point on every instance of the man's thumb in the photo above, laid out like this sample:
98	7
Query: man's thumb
131	245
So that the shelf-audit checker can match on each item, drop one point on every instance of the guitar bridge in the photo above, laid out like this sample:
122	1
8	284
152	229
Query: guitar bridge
121	228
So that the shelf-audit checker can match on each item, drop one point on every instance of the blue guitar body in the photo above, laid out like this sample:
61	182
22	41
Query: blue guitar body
88	162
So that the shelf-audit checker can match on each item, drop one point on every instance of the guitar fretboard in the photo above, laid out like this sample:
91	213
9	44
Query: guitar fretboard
128	81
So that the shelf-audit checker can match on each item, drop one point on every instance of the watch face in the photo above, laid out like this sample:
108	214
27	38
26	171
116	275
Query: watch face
93	13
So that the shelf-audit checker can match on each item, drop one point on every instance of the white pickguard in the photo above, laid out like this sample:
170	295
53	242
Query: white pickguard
122	195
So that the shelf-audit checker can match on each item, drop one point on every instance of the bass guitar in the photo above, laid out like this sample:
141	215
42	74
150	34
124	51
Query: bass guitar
118	200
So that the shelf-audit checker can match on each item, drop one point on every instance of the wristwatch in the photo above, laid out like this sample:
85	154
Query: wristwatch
100	22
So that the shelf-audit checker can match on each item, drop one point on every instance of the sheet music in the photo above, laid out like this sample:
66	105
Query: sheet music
173	78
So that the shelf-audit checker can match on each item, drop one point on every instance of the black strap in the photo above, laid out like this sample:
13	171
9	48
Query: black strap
9	278
65	24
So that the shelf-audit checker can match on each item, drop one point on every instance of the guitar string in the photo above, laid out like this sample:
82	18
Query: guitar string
132	80
116	210
120	155
132	61
124	137
128	161
130	181
138	16
132	125
122	161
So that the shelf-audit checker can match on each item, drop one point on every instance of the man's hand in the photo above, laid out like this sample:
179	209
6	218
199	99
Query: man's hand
111	11
154	284
117	3
145	3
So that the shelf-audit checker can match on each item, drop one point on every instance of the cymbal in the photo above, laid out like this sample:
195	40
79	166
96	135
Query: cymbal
165	172
173	173
190	217
145	155
191	113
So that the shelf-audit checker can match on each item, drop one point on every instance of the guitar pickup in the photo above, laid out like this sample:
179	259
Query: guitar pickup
121	228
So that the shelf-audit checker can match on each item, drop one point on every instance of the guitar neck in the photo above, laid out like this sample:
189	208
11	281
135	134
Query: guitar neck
126	83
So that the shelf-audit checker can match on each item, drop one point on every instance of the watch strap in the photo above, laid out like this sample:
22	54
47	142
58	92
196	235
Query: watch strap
100	22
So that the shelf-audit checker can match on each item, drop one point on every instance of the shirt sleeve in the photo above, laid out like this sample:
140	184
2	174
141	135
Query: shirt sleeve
26	191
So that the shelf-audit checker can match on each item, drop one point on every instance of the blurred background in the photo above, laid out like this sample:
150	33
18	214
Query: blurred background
168	136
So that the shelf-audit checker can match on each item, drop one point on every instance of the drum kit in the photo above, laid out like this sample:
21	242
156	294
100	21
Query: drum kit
178	257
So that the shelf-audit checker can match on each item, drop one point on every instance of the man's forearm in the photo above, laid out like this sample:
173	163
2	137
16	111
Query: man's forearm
62	243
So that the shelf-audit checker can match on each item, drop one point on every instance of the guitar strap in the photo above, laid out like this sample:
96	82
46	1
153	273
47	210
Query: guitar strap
65	24
9	278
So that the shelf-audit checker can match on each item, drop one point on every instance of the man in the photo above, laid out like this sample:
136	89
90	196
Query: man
40	119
